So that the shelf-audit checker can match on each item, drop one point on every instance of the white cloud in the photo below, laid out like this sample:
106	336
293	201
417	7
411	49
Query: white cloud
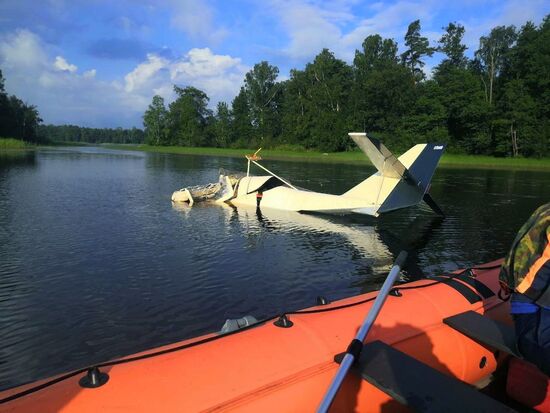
39	75
220	76
143	73
21	49
200	63
61	64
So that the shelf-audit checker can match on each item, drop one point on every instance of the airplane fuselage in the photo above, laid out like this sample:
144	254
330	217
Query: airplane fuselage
286	198
398	183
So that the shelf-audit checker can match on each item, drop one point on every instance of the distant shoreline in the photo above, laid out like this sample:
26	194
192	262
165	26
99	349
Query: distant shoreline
353	157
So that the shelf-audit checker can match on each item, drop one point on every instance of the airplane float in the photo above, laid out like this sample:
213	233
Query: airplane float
398	183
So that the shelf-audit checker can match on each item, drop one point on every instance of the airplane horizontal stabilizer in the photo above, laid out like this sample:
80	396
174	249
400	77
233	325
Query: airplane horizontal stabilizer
380	156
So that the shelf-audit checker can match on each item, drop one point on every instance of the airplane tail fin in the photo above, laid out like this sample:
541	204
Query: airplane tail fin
402	181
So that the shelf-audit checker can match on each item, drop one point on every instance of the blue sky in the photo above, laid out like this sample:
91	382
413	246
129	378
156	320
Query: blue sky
98	63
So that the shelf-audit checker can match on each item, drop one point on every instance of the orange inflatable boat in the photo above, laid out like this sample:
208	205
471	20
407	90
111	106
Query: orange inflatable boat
286	364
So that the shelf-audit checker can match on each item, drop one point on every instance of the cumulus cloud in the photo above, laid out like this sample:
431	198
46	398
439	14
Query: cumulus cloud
220	76
144	72
61	64
21	49
200	63
63	94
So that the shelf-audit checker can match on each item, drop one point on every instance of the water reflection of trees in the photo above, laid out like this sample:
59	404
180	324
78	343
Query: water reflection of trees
19	158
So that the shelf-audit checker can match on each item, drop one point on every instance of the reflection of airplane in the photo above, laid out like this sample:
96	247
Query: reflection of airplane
399	183
376	244
363	238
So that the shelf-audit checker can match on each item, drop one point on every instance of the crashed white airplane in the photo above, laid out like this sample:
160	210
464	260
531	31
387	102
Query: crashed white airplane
399	183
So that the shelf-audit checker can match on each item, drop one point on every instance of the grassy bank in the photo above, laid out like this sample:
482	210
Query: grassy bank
67	143
239	153
479	161
13	144
450	160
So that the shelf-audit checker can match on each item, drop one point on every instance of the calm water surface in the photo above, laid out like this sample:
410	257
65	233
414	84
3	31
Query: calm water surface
96	262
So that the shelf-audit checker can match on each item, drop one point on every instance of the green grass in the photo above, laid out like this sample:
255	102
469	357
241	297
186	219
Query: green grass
240	153
449	160
493	162
12	144
67	143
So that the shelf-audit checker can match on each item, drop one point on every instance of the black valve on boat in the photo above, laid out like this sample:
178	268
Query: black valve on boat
93	378
395	292
283	322
322	300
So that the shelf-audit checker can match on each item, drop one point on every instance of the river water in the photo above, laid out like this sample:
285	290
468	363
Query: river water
96	262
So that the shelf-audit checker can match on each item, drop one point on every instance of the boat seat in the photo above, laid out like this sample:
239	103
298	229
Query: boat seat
418	385
485	331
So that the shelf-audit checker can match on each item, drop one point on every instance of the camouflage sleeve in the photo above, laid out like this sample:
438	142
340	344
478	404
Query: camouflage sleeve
527	247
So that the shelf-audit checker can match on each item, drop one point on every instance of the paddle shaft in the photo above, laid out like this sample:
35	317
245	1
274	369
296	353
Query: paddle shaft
362	333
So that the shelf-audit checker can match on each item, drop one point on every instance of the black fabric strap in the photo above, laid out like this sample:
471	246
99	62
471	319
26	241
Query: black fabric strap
466	292
481	288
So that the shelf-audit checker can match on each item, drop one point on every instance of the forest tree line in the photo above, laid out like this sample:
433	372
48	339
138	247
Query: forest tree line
18	120
73	133
496	103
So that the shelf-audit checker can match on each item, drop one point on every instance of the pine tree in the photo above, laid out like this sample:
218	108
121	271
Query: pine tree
418	47
451	44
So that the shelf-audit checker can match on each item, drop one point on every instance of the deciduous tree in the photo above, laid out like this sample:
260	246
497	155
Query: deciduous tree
263	94
492	54
155	122
188	117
